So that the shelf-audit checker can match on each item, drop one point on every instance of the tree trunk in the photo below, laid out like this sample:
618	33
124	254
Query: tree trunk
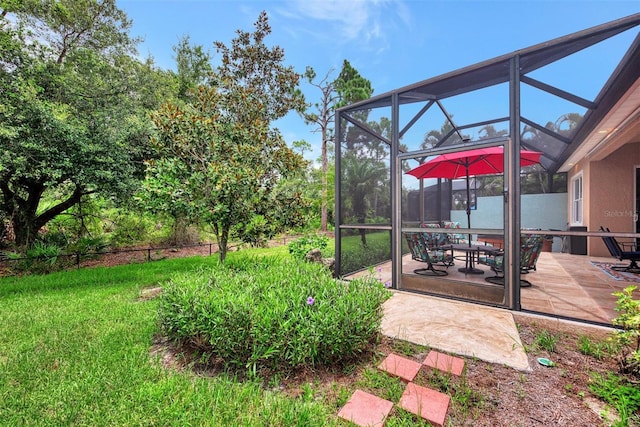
222	236
324	214
24	228
25	220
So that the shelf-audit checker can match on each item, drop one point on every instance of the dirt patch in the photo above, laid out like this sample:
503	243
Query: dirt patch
545	396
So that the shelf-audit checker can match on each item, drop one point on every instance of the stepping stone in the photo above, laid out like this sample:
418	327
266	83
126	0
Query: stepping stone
364	409
400	367
426	403
444	362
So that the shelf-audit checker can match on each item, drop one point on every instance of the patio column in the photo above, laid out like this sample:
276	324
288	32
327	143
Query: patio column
512	191
338	193
396	193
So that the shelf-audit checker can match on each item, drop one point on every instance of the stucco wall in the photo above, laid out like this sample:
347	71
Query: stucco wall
611	194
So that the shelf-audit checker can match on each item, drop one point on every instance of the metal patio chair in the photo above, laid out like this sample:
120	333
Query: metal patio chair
420	252
530	248
624	251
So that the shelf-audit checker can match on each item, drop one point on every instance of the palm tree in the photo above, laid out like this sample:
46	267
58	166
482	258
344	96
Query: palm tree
362	177
435	138
489	131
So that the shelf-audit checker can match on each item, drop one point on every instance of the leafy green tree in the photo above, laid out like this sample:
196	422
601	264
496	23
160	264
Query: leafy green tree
161	192
69	118
229	159
193	64
362	179
347	88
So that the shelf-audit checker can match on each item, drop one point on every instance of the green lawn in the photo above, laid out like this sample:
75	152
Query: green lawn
75	350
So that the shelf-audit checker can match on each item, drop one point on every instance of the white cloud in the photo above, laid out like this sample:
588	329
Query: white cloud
365	22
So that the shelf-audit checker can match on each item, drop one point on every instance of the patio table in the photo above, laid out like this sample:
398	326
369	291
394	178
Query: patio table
471	252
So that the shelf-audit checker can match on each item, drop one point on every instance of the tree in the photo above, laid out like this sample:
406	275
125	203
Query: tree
362	177
322	117
434	138
193	64
161	193
347	88
489	131
231	160
69	122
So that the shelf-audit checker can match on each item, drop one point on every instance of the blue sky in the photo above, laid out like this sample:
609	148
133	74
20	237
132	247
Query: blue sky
393	43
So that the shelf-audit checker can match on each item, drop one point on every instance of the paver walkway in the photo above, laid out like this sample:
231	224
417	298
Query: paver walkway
365	409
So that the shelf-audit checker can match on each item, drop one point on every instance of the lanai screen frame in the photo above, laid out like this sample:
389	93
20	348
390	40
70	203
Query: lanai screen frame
512	69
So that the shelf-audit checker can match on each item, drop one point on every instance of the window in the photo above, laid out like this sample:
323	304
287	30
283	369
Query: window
576	200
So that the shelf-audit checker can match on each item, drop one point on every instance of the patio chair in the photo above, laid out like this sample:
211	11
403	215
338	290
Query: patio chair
631	254
420	252
530	248
434	240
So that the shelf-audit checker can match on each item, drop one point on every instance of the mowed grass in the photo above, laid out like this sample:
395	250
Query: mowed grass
75	350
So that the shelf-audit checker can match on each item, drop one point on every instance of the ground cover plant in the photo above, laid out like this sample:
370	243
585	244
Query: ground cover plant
356	256
272	312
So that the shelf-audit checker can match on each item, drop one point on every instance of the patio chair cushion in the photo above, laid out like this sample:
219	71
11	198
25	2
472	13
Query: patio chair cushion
530	248
433	239
421	252
453	237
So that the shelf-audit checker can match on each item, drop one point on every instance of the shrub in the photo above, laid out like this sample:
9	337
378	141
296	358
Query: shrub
272	313
628	339
129	228
41	258
255	232
301	247
87	245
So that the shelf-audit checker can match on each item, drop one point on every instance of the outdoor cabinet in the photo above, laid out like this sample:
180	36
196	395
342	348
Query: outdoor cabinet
578	244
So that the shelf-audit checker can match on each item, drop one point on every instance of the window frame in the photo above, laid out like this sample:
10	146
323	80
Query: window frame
577	201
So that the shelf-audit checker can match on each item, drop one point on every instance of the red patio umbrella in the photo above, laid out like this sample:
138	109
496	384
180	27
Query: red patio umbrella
479	161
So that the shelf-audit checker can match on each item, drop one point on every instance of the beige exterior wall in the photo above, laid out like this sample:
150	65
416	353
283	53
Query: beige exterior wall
608	187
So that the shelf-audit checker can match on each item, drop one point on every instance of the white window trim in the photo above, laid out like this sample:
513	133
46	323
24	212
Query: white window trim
572	212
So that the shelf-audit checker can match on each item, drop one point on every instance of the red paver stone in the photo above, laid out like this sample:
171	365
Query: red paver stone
365	409
444	362
426	403
400	366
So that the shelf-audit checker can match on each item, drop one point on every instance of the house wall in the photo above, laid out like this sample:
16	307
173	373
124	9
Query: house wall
611	194
545	211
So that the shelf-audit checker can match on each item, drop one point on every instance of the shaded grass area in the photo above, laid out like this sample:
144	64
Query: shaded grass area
74	350
356	256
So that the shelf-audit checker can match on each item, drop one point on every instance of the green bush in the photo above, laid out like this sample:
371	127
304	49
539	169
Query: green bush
301	247
129	228
255	232
41	258
628	339
272	313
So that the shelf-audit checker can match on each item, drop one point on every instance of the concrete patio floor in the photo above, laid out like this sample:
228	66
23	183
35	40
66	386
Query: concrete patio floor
564	285
466	329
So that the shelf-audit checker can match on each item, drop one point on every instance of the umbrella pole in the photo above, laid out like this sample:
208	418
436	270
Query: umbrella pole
468	206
